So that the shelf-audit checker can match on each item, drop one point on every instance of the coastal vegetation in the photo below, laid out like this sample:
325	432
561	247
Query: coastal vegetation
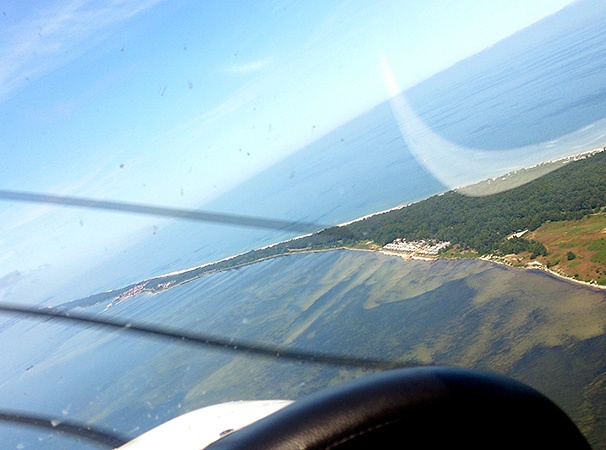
576	248
576	190
534	223
495	225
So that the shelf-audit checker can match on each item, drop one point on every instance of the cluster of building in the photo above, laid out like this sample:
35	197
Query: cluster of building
135	290
423	247
517	234
164	285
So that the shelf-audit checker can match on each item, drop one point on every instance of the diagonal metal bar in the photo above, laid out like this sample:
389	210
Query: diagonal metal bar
138	208
108	439
269	351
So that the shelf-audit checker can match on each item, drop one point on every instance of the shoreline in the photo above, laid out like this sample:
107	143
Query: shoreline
405	257
175	278
402	255
121	295
536	266
461	189
542	268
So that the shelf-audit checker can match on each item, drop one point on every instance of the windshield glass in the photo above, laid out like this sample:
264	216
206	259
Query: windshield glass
315	190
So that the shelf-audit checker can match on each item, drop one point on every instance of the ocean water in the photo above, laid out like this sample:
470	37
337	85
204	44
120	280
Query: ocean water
360	168
543	85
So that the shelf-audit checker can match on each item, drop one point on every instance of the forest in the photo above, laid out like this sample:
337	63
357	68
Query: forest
482	224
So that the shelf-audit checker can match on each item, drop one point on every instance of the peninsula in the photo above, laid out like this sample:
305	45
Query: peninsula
556	222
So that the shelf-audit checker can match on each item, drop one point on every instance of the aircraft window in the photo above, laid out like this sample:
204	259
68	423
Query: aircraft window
211	202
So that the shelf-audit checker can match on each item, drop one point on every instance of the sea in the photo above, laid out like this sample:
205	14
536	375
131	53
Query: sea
543	86
540	91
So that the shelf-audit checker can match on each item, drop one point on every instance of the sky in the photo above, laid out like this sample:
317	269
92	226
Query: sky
172	103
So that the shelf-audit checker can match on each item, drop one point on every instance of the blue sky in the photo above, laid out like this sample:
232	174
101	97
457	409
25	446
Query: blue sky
173	103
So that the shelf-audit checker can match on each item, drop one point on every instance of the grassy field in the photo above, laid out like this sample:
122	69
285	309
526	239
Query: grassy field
576	249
